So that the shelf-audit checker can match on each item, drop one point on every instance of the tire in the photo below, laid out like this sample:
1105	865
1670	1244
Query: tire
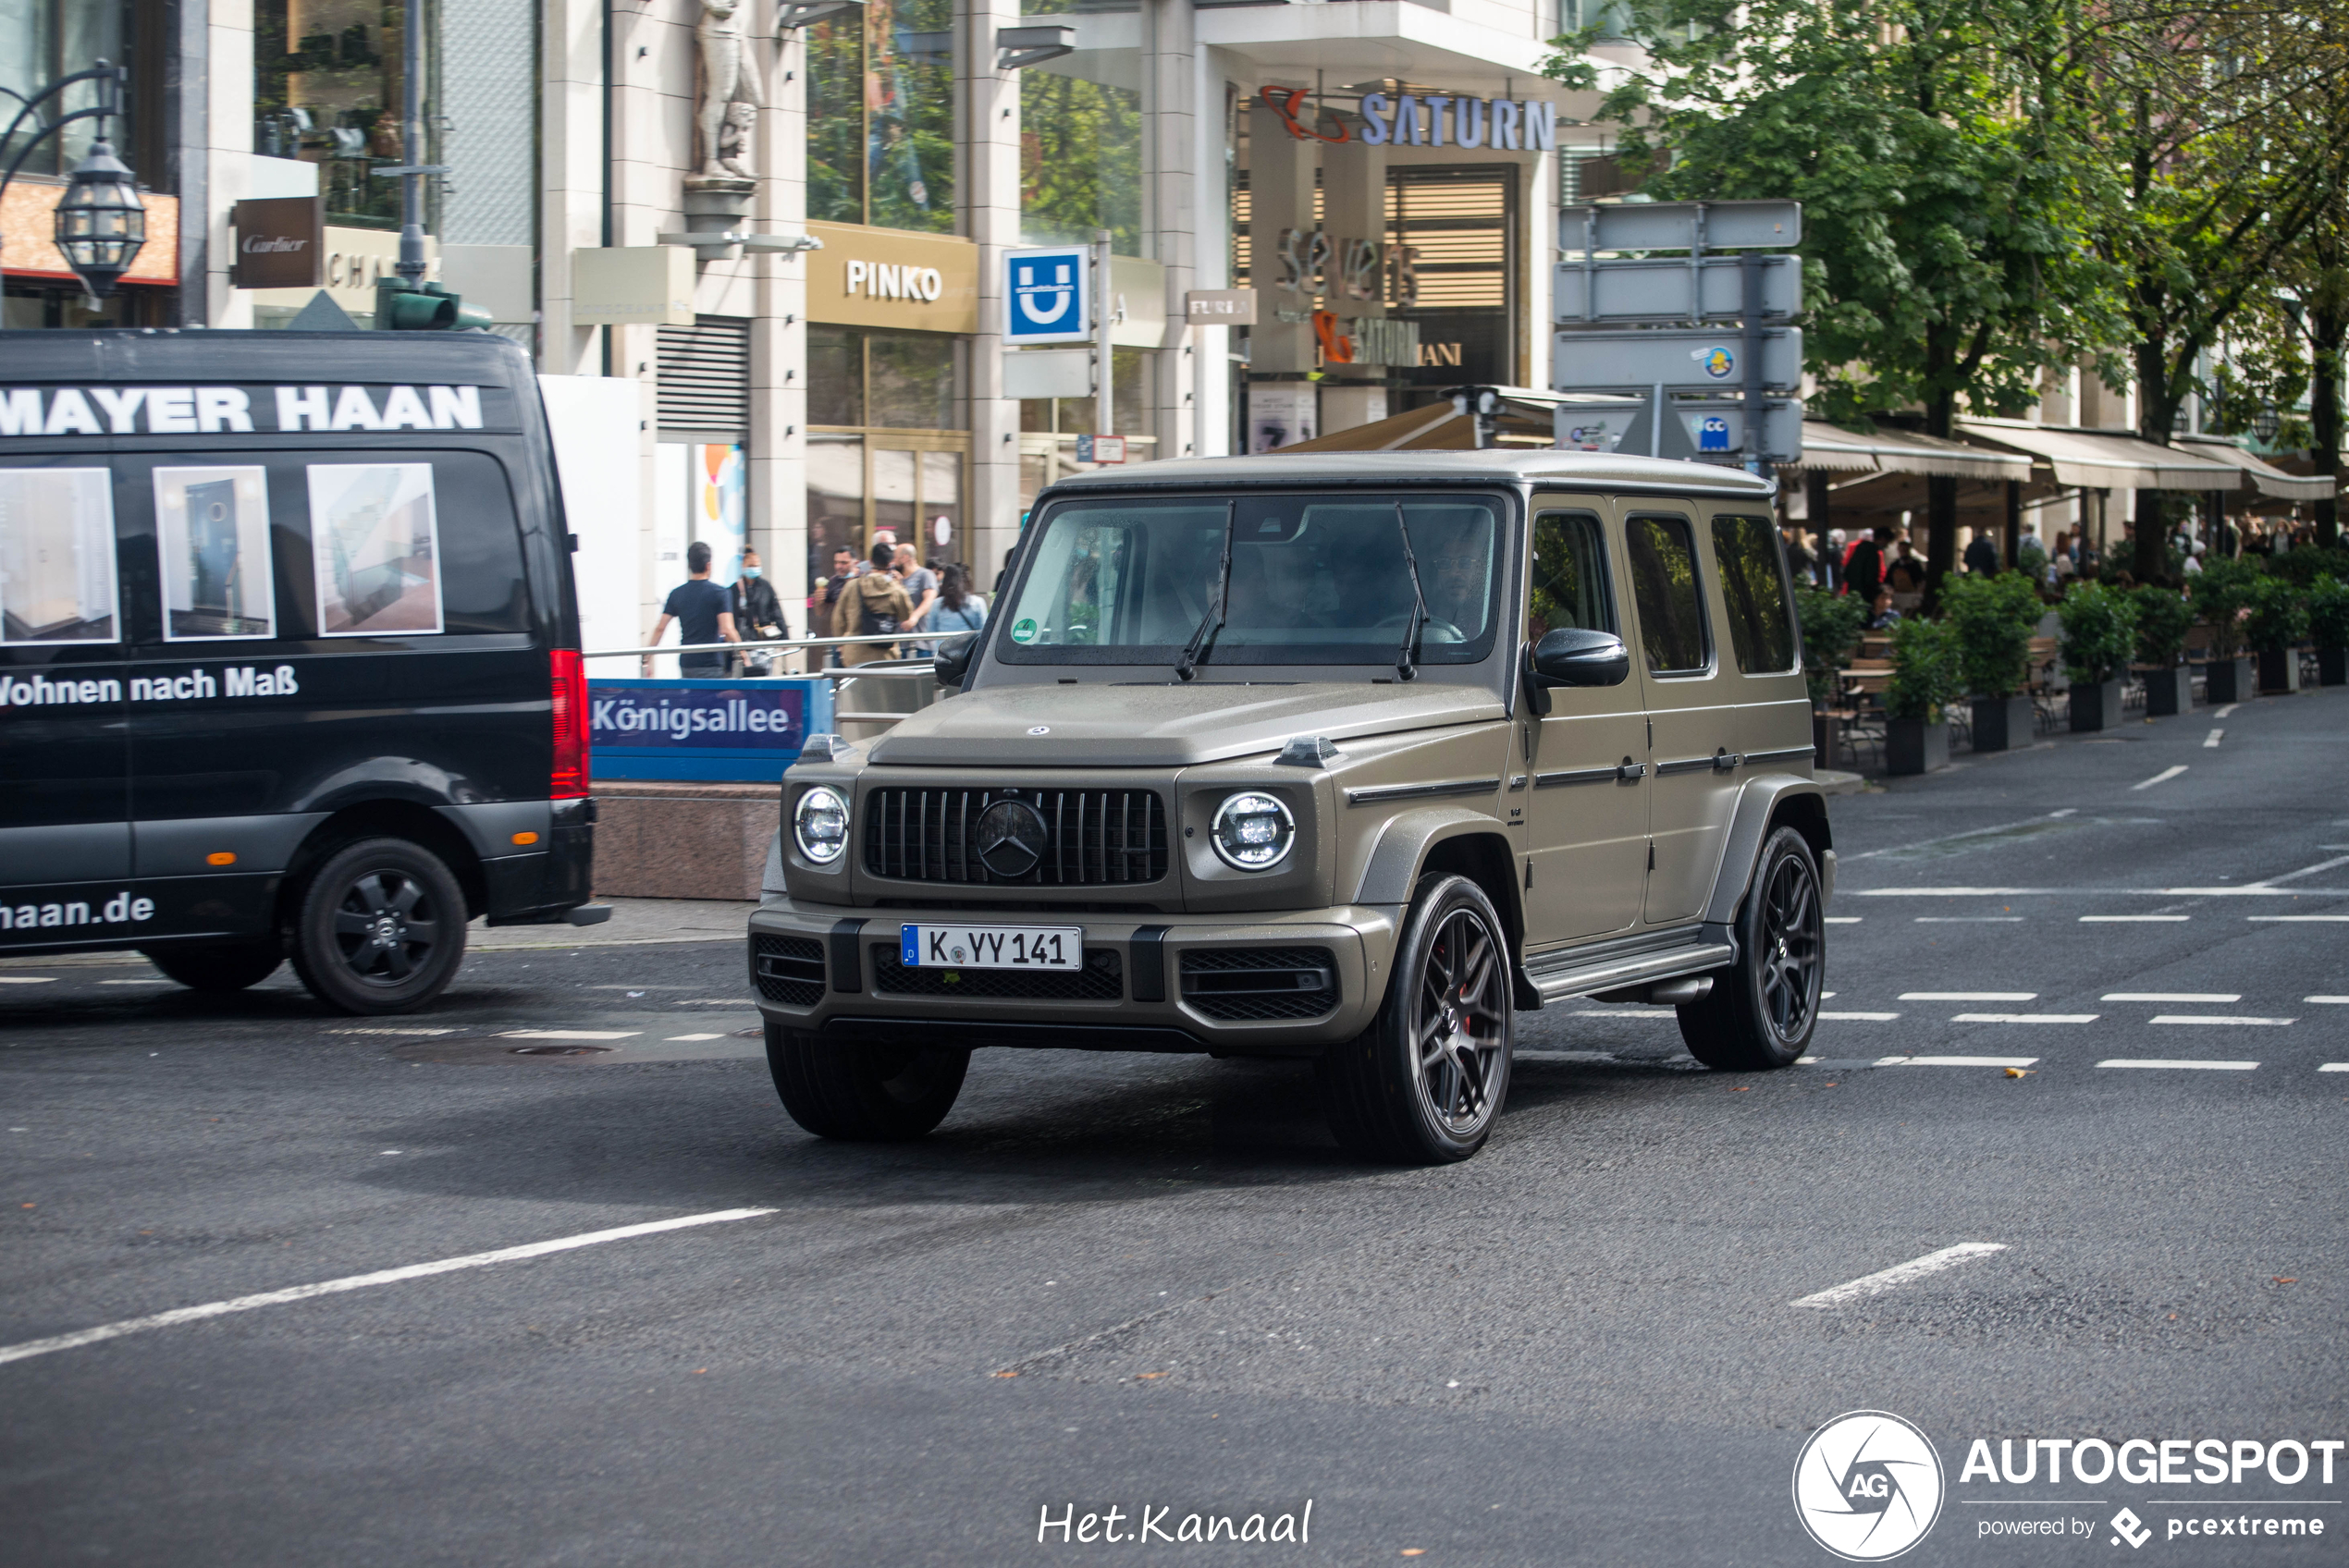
228	966
1425	1081
379	927
1761	1009
860	1093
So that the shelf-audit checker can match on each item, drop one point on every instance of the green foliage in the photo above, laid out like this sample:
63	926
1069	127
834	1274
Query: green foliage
2303	567
1992	619
2099	632
2329	613
1080	162
2278	614
1831	624
2221	594
2164	620
2032	560
1925	670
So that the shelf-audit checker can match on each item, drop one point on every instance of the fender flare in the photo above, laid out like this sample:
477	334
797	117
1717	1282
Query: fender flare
1403	843
1758	804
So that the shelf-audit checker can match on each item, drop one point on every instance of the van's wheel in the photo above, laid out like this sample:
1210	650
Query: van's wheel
224	966
379	927
878	1094
1761	1009
1424	1083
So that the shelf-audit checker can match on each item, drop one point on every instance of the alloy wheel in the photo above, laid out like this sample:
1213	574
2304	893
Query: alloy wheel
387	927
1458	1023
1792	948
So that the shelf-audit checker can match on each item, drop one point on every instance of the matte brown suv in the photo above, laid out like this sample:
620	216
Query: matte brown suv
1348	758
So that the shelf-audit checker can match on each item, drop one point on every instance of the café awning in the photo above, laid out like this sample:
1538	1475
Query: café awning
1837	450
2103	460
2257	472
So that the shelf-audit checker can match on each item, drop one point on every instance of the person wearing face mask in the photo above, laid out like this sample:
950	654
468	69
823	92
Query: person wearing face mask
759	612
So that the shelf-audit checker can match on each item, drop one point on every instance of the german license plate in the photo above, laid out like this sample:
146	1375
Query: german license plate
991	947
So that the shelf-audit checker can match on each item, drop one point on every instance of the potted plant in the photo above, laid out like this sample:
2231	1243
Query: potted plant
2221	597
2276	625
2328	629
2099	633
1831	624
1925	679
2164	620
1991	619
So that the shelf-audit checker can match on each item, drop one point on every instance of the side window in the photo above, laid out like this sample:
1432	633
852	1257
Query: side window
374	549
212	532
58	557
1567	584
1754	584
1663	589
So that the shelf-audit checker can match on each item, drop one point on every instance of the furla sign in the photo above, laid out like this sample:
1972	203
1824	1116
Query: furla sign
892	278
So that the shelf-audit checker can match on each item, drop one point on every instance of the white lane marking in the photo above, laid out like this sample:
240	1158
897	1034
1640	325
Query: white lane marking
2328	1067
2132	919
1844	919
1861	1017
2023	1018
2172	996
28	979
1969	920
1968	995
2163	777
697	1036
1565	1056
1949	892
2327	1001
719	1001
2210	742
2220	1018
1620	1012
2269	919
1957	1061
2172	1062
2304	871
404	1033
362	1281
1902	1273
143	982
568	1033
2222	712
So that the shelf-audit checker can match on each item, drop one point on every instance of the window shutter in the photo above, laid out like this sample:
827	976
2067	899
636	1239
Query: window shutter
705	379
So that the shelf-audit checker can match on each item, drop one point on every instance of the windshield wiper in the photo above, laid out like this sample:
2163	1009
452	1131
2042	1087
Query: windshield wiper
1406	657
1212	622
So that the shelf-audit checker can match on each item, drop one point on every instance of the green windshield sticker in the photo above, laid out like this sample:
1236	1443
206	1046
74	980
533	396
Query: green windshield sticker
1024	631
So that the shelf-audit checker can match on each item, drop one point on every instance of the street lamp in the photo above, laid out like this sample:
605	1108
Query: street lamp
101	223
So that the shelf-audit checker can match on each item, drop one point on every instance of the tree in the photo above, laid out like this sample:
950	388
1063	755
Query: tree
1948	191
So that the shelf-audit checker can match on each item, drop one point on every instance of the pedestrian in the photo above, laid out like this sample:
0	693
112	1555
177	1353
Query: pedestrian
759	612
873	604
1982	555
1905	576
1798	559
1864	567
958	609
703	613
920	584
1831	562
824	598
1881	613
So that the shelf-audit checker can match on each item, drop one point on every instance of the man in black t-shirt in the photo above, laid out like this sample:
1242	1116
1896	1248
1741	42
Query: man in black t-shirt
703	613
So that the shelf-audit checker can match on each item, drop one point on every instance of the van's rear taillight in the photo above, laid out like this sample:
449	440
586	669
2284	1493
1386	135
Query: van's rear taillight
567	780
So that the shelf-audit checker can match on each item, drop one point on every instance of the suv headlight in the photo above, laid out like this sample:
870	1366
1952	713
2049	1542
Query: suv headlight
819	825
1252	831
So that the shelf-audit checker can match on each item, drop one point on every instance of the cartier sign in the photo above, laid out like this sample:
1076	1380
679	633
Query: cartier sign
280	243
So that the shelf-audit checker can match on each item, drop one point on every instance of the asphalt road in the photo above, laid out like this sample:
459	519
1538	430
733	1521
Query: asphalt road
1154	1283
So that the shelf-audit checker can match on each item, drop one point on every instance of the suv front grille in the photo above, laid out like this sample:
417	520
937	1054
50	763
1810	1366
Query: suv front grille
1255	984
1095	837
1102	980
789	970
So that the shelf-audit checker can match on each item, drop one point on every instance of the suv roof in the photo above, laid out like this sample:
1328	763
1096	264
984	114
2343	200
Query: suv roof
1543	466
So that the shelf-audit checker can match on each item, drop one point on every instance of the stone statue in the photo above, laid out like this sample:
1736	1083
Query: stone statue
730	97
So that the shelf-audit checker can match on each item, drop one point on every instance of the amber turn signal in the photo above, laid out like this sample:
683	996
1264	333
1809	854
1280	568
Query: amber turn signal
220	857
526	838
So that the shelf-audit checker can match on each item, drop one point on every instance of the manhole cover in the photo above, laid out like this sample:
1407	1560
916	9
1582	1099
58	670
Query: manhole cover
557	1051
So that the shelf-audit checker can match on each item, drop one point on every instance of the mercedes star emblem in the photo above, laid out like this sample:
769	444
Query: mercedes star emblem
1011	838
1039	730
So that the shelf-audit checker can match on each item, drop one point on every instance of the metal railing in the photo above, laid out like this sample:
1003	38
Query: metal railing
905	670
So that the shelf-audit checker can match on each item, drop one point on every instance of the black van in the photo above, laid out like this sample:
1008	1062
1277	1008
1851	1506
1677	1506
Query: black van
289	656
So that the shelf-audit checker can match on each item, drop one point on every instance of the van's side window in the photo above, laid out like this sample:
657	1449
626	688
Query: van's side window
58	557
212	527
1754	582
1672	629
1568	584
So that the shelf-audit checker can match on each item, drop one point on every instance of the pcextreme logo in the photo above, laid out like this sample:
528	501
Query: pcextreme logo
1868	1486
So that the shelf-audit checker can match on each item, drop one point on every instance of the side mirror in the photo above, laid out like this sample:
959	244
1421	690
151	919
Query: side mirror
1572	657
953	661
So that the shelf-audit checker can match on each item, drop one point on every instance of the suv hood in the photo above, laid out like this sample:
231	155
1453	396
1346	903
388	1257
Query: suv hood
1098	723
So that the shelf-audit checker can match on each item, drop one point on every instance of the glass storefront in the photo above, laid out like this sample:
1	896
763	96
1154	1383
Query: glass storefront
1080	157
880	115
42	39
884	462
327	88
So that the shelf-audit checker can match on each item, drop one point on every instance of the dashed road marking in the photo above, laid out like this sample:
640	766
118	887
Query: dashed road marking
674	1038
2220	1018
2328	1067
399	1033
568	1033
1969	920
2163	777
2023	1018
1968	995
2133	919
1861	1017
1956	1061
2210	742
1902	1273
361	1281
2157	1061
2287	919
150	980
2327	1001
2222	712
28	979
1845	919
2172	996
1624	1012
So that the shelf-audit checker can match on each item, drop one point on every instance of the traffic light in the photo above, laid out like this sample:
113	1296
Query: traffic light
402	306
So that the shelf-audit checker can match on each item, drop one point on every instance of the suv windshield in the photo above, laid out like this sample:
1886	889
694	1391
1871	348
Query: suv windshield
1314	579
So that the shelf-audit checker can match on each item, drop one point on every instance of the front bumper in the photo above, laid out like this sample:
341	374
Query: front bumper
1156	982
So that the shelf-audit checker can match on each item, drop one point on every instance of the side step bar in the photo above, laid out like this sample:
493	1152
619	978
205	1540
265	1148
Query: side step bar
1613	974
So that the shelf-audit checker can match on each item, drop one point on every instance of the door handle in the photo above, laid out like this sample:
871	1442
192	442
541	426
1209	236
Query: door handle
1631	772
1727	761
